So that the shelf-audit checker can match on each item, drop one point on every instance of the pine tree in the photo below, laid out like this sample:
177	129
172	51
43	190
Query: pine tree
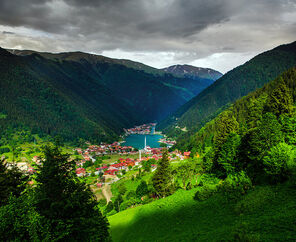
162	177
12	182
280	100
68	205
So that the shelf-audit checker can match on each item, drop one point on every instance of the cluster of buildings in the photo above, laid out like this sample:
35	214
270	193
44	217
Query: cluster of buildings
167	142
123	164
141	129
105	149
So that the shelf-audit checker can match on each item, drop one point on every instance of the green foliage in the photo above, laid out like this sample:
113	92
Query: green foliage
21	222
147	164
118	200
67	204
280	100
225	124
207	160
280	161
162	177
184	172
4	150
289	128
236	185
205	192
230	87
228	155
268	211
121	188
258	141
57	94
87	163
142	189
12	181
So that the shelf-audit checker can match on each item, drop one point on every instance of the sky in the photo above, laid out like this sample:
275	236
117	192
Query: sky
218	34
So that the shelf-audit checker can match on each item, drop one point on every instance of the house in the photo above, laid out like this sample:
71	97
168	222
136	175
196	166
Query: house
187	154
80	172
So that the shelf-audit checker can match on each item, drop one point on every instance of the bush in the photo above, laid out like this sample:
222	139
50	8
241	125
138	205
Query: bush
131	194
128	203
236	184
142	189
280	162
205	192
102	202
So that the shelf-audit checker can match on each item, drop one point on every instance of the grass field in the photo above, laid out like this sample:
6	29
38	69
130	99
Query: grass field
267	213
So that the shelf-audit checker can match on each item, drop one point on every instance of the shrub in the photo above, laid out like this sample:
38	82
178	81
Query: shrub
280	162
102	202
121	188
142	189
128	203
131	194
205	192
236	184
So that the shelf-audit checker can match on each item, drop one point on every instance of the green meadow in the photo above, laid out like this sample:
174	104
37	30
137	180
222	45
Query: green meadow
266	213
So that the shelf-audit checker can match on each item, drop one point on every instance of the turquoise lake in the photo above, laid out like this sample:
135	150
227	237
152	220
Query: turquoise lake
137	140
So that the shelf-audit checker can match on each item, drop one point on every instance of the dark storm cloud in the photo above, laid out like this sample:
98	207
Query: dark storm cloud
188	29
163	17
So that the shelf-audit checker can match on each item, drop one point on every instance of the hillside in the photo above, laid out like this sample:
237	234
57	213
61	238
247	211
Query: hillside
193	72
79	95
231	86
245	161
265	214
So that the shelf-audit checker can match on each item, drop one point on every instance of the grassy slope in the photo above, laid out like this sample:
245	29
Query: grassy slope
266	214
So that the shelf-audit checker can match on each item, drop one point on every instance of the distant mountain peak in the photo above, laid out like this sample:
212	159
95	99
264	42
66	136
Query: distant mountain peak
193	71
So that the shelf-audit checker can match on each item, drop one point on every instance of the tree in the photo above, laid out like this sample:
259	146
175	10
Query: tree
289	128
121	188
278	161
257	142
227	158
280	100
161	179
225	124
142	189
117	202
12	181
147	164
21	222
68	205
185	172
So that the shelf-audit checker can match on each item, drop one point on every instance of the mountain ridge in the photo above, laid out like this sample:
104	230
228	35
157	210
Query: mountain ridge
231	86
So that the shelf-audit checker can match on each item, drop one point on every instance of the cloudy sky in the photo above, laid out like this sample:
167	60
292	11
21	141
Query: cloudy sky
220	34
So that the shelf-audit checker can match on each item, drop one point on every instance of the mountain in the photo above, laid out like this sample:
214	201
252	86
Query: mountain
231	86
193	72
80	95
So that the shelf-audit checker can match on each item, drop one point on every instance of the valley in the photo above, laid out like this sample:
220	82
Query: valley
180	153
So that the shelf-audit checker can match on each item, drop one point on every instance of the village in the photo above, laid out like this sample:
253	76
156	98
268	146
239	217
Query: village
103	164
141	129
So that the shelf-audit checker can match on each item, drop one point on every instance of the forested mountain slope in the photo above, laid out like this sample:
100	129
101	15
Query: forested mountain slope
231	86
257	133
79	95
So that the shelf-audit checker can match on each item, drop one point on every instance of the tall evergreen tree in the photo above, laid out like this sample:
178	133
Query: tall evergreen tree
162	177
280	100
12	181
258	141
67	204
